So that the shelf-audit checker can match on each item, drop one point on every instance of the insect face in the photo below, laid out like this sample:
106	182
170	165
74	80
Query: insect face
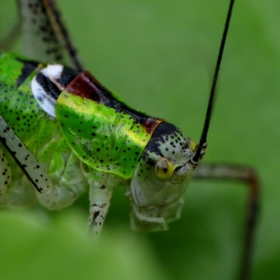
161	178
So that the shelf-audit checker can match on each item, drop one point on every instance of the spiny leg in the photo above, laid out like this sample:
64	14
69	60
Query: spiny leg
15	190
24	158
101	188
44	34
49	195
100	197
249	177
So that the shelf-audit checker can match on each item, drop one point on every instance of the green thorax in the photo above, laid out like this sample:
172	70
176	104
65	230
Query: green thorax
102	131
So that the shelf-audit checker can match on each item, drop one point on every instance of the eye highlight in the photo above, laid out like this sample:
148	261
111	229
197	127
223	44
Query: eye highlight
164	169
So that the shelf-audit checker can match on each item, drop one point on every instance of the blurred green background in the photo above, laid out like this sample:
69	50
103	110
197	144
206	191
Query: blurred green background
159	56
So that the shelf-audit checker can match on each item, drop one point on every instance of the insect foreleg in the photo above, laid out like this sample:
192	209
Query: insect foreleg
66	189
248	176
101	188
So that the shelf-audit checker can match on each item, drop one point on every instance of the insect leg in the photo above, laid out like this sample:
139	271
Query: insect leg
101	188
5	177
15	189
249	177
66	189
29	165
44	35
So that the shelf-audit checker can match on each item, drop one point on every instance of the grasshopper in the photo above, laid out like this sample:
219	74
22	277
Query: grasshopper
63	133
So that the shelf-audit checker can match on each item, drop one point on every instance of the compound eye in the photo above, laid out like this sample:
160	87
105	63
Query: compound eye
164	169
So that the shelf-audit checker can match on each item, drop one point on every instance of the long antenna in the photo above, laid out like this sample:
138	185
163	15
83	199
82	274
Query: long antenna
200	150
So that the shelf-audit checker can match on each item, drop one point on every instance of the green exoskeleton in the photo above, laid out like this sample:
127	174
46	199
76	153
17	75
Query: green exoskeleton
63	134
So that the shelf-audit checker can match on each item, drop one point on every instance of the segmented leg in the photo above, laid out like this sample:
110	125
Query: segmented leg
249	177
5	177
44	34
15	189
51	196
101	188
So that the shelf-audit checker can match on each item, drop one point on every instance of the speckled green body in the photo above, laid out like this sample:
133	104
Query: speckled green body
36	129
82	138
103	138
21	111
17	104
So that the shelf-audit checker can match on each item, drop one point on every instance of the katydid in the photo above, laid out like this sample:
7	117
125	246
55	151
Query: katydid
63	133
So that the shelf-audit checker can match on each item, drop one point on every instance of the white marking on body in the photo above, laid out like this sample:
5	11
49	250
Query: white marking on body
53	72
47	102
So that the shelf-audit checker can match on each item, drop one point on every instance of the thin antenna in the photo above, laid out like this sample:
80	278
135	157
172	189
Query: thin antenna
200	150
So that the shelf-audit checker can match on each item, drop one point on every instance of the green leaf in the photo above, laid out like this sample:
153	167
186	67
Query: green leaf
33	247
